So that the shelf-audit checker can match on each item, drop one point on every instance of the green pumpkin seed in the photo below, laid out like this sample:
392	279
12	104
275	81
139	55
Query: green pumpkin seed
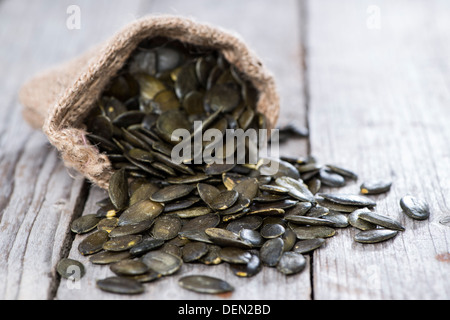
145	246
210	220
129	268
349	199
186	81
235	255
297	189
205	284
252	236
358	223
85	224
343	172
120	285
194	251
300	209
207	192
172	193
122	243
166	227
70	269
141	211
226	238
224	200
226	96
118	189
170	121
251	269
163	263
291	263
375	236
93	243
192	212
331	179
307	233
250	222
376	187
309	221
271	252
415	208
306	246
108	224
271	231
382	221
108	257
338	220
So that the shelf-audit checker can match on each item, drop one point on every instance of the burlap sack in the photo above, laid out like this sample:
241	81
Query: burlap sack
58	101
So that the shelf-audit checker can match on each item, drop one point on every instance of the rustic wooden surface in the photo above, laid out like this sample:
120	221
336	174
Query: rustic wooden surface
374	93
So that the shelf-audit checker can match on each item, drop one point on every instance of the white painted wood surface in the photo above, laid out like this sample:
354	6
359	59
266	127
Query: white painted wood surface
377	102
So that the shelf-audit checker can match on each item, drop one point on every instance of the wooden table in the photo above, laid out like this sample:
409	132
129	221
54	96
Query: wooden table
370	79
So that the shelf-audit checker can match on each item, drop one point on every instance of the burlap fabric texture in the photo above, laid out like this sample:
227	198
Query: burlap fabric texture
58	100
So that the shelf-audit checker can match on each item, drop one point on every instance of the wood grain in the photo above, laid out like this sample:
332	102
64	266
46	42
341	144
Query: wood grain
379	106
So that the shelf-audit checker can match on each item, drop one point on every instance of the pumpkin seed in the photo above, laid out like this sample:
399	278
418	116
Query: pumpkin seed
349	199
415	208
145	246
108	257
382	221
212	257
235	255
291	263
309	221
331	179
131	229
252	236
297	189
210	220
358	223
307	233
226	96
338	220
376	187
224	200
141	211
375	236
120	285
226	238
70	269
252	268
118	189
172	193
180	204
163	263
192	212
343	172
250	222
271	231
108	224
129	268
85	224
93	243
306	246
193	251
205	284
122	243
300	209
271	252
166	227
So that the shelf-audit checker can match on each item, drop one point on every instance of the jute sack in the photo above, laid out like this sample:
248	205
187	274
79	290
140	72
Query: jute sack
59	100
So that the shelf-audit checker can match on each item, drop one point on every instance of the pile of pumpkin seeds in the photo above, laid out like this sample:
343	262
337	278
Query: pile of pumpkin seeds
160	215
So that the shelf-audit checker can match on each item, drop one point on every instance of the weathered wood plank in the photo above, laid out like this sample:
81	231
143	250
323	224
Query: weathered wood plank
280	48
38	196
379	105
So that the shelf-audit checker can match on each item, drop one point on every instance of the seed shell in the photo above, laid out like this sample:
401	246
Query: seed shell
171	193
129	268
120	285
93	243
382	221
122	243
291	263
193	251
307	233
376	187
375	236
306	246
415	208
163	263
118	189
205	284
349	199
85	224
271	252
70	269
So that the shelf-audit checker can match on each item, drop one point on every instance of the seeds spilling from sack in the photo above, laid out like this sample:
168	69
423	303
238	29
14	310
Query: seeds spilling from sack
162	213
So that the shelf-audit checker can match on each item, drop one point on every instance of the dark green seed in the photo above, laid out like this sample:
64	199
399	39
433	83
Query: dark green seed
376	187
306	246
226	238
122	243
297	189
309	221
235	255
375	236
129	230
358	223
70	269
93	243
120	286
163	263
307	233
252	236
251	269
415	208
349	199
141	211
145	246
271	252
382	221
193	251
129	268
172	193
205	284
108	257
271	231
118	189
224	200
291	263
166	227
85	224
